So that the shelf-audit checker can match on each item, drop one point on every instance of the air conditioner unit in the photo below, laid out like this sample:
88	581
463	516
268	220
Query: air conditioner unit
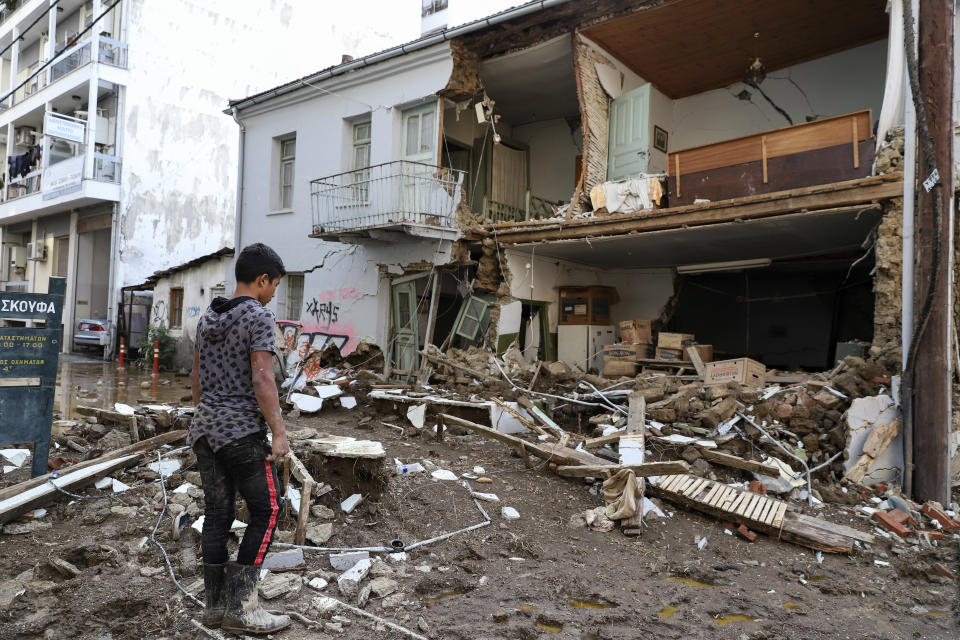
23	136
18	257
37	251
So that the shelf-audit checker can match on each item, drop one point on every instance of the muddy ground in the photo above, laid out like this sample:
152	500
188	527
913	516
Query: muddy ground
536	577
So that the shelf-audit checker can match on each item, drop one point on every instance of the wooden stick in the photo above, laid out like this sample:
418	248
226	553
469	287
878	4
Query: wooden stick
306	492
536	373
728	460
520	417
763	155
643	470
856	145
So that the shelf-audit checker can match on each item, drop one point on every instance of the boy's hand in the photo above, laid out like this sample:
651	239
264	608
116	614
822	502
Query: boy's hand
280	449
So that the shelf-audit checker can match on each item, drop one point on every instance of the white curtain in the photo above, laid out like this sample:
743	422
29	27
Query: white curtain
891	113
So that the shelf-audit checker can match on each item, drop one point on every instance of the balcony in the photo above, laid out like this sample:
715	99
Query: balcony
390	201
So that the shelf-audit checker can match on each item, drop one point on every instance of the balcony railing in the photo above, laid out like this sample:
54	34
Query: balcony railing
7	9
23	186
71	60
399	192
113	52
534	208
106	168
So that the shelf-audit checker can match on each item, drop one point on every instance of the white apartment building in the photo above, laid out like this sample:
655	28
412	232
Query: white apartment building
120	163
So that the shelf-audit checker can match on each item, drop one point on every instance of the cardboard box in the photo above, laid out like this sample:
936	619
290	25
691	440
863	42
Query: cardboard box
675	340
671	354
705	351
613	367
742	370
621	351
587	305
636	331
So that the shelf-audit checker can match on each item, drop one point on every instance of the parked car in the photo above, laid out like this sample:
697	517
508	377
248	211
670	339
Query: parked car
91	333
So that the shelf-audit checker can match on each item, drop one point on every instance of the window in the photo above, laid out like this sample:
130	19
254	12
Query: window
361	161
288	153
432	6
294	301
176	308
420	132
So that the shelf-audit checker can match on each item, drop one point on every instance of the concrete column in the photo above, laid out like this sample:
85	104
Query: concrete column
112	297
14	60
91	128
31	264
70	297
52	32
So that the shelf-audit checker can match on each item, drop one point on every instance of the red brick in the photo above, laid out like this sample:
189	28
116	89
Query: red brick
934	535
880	489
934	512
883	519
881	380
783	411
903	517
942	570
745	533
758	487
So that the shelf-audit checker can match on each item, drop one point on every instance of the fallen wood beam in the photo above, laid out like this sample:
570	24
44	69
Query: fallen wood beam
696	360
540	416
444	361
551	452
596	443
632	443
307	484
19	498
536	374
728	460
521	418
642	470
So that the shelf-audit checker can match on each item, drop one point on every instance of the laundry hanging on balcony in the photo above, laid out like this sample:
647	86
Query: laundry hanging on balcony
20	165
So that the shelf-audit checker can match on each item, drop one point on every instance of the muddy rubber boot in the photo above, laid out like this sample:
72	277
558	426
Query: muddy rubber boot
214	580
243	613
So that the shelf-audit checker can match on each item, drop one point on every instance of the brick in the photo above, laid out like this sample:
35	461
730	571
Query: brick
758	487
745	533
935	512
783	411
943	571
934	534
903	517
827	399
883	519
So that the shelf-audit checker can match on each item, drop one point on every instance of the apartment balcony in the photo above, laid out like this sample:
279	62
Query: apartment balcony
393	201
60	187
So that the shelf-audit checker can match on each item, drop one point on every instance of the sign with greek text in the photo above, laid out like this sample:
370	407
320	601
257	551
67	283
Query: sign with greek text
62	177
28	369
59	127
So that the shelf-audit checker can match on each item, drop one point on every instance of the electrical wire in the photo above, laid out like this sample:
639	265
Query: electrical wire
29	26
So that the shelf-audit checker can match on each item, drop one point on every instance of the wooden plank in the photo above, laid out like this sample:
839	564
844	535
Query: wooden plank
727	498
681	486
767	506
758	507
714	490
137	448
307	484
550	452
539	415
694	488
536	374
832	527
737	500
802	532
856	147
728	460
633	441
778	518
22	497
763	154
596	443
676	173
697	361
676	481
643	470
747	504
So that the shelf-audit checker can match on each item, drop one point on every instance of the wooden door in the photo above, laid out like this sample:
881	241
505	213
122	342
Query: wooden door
629	141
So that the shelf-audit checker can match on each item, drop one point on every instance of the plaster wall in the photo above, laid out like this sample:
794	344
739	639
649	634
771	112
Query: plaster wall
643	292
186	60
346	287
552	158
844	82
198	284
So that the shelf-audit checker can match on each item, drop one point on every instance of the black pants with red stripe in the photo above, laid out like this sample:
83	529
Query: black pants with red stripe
239	466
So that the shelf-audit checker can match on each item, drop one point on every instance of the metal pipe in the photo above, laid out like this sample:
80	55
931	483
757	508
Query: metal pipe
239	205
907	267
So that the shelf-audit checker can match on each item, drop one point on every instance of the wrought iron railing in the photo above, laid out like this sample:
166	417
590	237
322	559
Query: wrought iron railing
534	208
386	194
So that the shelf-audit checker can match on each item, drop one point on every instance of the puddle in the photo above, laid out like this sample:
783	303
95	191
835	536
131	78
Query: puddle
443	596
667	611
727	618
93	383
818	578
590	604
528	607
792	606
690	582
936	613
552	627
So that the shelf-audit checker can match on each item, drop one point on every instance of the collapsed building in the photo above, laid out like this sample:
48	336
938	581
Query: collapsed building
545	176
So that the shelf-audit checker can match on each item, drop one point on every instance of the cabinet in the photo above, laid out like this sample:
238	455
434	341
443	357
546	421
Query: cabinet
581	346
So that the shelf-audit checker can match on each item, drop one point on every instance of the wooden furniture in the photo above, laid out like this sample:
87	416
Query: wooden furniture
819	152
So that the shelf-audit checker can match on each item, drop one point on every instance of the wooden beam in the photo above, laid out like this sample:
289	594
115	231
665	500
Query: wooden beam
808	199
521	418
643	470
696	360
24	496
307	484
540	416
728	460
549	452
633	440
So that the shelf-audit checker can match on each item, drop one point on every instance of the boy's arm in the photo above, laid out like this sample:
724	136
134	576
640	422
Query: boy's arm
265	388
195	378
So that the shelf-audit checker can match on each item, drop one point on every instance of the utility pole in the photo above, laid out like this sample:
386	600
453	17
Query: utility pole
932	381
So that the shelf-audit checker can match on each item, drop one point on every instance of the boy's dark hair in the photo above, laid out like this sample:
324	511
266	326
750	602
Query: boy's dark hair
258	259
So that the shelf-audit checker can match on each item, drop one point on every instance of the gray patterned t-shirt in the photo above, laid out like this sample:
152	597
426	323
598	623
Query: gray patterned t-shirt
227	334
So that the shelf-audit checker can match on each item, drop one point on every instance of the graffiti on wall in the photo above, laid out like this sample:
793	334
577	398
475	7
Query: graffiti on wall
324	324
159	313
193	312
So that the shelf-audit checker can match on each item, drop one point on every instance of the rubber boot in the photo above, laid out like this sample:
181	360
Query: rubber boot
243	613
214	580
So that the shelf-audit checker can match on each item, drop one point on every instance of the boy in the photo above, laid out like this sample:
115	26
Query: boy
236	400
